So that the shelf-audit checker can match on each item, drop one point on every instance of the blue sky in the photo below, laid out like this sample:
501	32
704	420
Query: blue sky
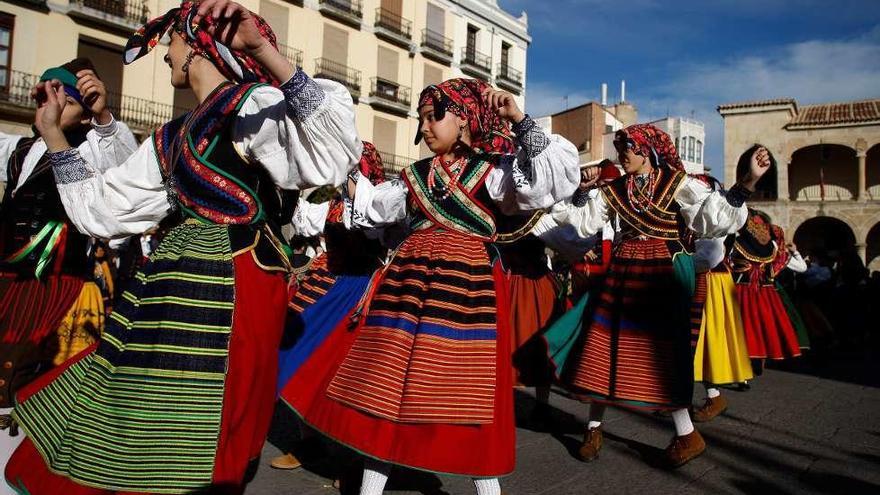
685	57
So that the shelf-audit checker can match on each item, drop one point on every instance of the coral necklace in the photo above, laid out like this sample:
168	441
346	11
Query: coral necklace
444	192
641	198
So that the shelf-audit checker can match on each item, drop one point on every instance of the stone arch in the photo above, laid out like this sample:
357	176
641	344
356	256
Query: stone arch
767	188
821	236
823	171
872	248
872	172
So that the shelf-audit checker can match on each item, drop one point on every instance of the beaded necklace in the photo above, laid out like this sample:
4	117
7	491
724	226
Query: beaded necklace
643	200
444	192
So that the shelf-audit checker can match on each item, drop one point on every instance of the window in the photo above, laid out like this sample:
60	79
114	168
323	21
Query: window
106	59
472	41
7	25
677	146
691	144
505	56
335	45
436	20
432	75
700	152
277	16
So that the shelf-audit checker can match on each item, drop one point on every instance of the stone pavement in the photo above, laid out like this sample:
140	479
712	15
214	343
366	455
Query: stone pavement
792	433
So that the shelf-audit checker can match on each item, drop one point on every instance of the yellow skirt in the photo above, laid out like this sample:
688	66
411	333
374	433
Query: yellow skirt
721	356
82	325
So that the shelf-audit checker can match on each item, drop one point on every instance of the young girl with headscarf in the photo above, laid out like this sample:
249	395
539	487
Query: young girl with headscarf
636	352
425	379
178	394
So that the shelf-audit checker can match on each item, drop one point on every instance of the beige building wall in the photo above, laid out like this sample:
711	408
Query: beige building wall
45	37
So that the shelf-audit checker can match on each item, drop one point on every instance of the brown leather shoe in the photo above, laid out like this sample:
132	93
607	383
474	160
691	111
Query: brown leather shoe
711	408
589	450
684	448
286	461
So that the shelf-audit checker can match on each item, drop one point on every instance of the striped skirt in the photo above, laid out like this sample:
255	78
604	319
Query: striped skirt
178	394
769	332
425	380
637	352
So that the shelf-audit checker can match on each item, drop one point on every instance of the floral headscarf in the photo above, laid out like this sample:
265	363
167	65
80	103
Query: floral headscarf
235	65
464	98
649	141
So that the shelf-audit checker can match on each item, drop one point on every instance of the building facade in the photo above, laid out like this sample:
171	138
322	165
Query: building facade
384	51
825	189
689	136
591	127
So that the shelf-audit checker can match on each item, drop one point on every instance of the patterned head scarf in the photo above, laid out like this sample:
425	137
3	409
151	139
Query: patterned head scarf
464	98
235	65
649	141
371	165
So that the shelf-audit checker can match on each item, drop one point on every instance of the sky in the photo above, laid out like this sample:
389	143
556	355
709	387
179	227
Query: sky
685	57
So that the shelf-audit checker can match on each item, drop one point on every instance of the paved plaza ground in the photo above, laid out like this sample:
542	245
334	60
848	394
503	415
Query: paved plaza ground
805	428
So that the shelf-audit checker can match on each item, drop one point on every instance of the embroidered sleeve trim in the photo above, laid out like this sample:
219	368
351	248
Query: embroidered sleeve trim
738	195
580	197
69	166
303	95
531	137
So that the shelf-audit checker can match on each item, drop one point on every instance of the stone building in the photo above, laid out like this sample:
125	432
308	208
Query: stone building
825	189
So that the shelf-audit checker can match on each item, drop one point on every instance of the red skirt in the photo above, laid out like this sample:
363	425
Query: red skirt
532	308
477	450
769	332
248	398
31	310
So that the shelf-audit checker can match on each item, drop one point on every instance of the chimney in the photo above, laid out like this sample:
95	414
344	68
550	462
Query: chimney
622	91
604	94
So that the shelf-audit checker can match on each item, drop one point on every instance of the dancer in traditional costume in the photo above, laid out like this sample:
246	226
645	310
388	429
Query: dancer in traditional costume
631	356
788	257
178	394
335	282
425	381
755	260
50	306
721	356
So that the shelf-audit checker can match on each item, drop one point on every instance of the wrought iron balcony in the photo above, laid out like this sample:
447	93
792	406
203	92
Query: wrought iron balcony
346	11
508	78
291	54
393	28
436	46
393	164
341	73
117	14
140	114
389	96
475	63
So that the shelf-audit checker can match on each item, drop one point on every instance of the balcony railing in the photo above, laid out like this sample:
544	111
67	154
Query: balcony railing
138	113
393	164
291	54
389	95
508	77
347	11
436	46
475	63
119	13
343	74
393	27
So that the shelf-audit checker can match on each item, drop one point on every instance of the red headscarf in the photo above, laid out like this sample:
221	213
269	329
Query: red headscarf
371	164
464	97
649	141
370	167
235	65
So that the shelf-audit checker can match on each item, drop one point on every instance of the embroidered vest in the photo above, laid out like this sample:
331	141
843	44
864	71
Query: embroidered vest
661	219
213	183
36	236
